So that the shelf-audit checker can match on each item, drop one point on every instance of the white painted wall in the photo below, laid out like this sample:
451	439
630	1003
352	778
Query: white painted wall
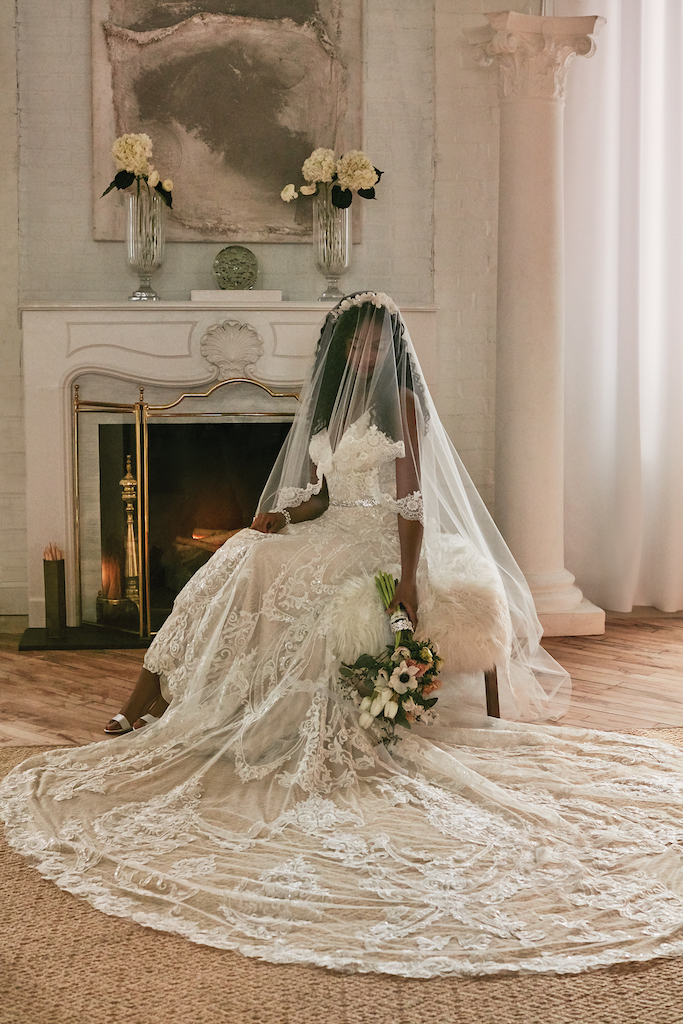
429	123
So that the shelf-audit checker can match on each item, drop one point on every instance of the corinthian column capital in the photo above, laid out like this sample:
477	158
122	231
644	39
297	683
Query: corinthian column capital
533	53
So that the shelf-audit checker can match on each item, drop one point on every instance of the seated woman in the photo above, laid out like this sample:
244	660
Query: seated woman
258	814
366	387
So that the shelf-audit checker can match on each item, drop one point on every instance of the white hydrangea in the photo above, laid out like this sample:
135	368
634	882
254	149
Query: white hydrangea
355	171
320	165
132	153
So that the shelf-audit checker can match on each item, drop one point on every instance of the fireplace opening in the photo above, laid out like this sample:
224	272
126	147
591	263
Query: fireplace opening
203	485
158	491
205	480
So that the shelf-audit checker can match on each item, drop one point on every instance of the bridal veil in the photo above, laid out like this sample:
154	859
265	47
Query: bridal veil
365	367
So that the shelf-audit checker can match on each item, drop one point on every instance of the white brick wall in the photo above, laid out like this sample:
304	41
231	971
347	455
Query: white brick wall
465	242
465	201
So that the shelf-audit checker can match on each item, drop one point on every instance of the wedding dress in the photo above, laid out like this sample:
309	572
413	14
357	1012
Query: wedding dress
257	815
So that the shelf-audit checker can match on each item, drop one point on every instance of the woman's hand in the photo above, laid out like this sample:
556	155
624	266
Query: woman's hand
268	522
406	594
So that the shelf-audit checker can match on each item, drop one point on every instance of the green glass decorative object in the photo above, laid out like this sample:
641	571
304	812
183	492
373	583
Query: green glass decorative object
235	268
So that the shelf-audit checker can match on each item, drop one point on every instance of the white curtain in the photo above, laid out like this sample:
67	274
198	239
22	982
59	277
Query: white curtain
624	296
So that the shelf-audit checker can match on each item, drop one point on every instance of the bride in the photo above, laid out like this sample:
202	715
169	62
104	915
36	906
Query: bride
258	815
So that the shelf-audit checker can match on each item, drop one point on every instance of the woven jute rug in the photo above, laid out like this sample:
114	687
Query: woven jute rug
62	962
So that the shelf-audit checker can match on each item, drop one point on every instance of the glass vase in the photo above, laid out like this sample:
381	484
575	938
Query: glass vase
331	241
145	236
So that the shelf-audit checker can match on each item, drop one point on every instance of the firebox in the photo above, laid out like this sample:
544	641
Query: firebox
160	487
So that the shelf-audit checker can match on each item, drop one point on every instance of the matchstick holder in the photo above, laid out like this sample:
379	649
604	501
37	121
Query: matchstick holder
55	599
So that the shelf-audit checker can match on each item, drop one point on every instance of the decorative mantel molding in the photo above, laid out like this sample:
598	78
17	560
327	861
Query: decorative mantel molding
232	347
533	53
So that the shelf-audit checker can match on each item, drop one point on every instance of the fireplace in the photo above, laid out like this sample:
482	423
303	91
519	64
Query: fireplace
169	349
160	487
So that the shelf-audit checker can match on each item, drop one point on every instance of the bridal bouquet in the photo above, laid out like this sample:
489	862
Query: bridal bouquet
394	687
352	172
132	155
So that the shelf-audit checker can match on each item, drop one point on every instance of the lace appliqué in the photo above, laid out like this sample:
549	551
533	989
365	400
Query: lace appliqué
410	507
292	497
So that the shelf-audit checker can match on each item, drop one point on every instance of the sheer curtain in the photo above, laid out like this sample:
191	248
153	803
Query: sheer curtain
624	297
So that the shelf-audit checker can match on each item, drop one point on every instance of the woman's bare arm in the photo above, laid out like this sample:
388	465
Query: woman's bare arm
273	522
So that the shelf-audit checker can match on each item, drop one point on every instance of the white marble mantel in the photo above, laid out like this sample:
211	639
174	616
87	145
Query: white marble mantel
160	343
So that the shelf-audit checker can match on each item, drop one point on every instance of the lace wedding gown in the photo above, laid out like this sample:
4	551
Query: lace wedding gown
257	815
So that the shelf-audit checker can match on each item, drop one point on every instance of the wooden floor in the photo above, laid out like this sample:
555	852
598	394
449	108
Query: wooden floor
630	678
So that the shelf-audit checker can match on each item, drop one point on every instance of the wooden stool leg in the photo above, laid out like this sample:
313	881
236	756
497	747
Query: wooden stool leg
491	683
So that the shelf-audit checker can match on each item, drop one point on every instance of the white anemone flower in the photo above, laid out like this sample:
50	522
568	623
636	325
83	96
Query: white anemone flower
403	677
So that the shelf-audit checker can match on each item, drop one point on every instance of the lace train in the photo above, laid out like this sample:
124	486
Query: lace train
256	815
531	849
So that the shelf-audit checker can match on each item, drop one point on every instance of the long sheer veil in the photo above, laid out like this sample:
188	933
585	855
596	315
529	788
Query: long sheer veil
365	370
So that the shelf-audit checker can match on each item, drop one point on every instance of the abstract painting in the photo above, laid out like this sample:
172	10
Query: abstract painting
234	94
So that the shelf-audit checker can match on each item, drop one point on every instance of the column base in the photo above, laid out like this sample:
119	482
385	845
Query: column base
554	591
584	620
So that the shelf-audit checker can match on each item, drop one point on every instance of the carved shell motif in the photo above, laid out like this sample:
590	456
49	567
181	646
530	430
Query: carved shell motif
232	347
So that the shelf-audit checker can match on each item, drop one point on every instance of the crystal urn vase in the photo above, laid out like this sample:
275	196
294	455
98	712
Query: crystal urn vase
331	241
145	227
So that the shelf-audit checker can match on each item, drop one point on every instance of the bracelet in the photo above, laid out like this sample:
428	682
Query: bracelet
285	512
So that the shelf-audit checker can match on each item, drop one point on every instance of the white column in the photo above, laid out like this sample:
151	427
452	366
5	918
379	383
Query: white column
533	55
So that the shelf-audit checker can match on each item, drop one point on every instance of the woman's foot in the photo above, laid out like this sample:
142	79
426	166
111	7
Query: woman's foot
153	715
145	696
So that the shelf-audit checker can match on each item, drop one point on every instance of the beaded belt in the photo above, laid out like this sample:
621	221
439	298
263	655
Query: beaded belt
359	503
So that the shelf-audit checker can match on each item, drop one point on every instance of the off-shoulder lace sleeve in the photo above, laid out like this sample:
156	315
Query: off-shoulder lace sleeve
410	507
291	497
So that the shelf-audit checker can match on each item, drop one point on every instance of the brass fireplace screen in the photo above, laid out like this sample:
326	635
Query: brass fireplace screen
158	488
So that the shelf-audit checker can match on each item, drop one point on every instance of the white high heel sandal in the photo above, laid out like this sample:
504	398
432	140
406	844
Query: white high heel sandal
125	726
147	719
